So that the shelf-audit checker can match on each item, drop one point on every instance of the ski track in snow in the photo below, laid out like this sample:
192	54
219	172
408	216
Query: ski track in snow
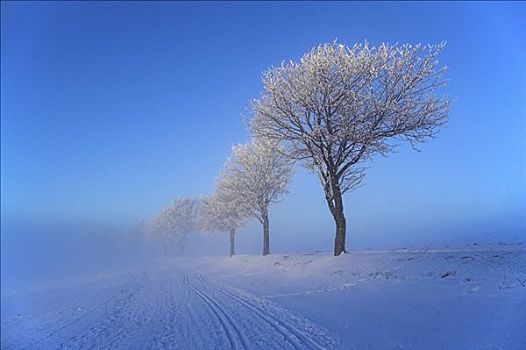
163	309
297	333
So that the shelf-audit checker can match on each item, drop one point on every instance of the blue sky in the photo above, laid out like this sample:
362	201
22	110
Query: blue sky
109	110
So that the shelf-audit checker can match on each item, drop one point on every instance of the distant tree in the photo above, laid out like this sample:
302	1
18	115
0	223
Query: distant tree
339	106
173	223
222	212
256	175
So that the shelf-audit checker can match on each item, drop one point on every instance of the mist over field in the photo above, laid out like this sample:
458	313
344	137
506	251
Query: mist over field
32	254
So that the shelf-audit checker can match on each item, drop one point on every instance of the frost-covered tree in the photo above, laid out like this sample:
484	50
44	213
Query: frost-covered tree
340	105
222	212
175	222
256	174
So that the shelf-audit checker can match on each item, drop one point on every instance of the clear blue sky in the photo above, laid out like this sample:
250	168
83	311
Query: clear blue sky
109	110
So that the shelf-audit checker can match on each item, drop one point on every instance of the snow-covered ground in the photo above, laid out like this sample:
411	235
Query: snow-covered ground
470	297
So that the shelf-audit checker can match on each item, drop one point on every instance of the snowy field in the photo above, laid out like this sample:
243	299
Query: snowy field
469	297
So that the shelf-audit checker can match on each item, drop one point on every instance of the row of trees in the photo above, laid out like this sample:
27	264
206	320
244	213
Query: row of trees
335	108
253	177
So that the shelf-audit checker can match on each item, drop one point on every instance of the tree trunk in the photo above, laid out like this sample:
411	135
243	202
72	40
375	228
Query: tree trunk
336	207
339	240
266	234
232	242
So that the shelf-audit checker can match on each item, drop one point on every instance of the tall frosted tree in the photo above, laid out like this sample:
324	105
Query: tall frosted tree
175	222
339	106
256	174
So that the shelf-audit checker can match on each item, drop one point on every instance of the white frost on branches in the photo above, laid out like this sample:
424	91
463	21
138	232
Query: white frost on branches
253	177
256	174
339	105
221	212
175	222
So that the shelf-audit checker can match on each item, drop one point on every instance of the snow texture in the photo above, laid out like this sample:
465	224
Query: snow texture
470	297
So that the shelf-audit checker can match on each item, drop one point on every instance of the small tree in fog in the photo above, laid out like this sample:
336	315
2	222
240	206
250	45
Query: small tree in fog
175	222
341	105
222	212
256	175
